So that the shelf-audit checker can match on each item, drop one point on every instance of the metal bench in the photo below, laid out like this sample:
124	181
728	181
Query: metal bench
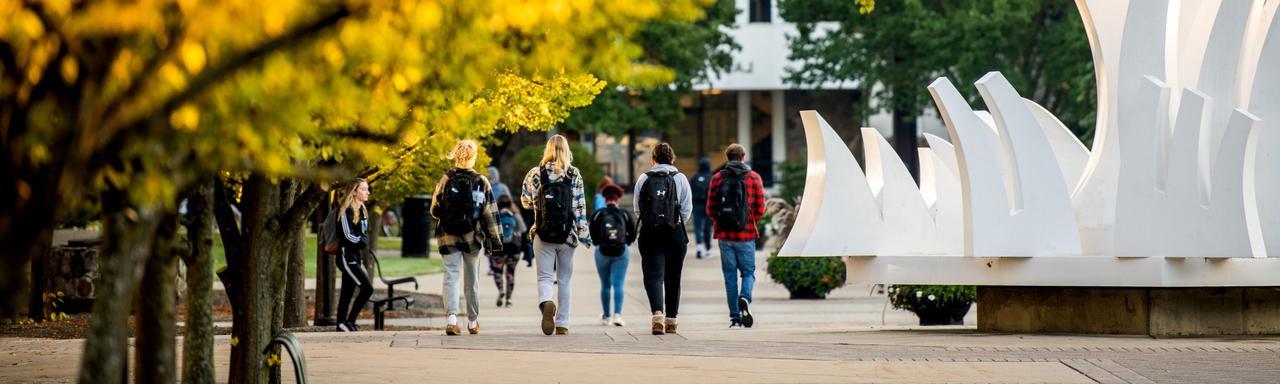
388	302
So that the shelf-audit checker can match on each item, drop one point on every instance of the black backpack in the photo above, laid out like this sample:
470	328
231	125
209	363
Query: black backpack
730	210
659	205
612	224
555	217
329	232
464	200
700	185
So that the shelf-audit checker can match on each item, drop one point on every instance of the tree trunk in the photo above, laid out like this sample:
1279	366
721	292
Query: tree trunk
295	296
155	310
126	242
28	209
268	226
904	140
197	346
324	270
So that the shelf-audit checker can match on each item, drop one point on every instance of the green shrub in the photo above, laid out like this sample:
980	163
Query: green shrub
529	157
807	277
794	173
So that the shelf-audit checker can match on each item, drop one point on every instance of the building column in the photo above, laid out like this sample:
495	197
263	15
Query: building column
778	116
744	120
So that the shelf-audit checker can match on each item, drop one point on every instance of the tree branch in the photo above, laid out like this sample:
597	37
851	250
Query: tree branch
302	207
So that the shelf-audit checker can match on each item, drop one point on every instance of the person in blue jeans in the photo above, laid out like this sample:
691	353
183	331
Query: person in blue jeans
735	201
614	229
701	184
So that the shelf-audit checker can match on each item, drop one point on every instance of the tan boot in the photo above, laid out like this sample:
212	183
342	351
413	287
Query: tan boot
658	327
562	331
473	328
671	325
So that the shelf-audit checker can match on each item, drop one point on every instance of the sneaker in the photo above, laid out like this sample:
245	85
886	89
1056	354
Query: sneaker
671	325
474	327
451	326
548	317
698	252
747	320
604	320
617	320
508	302
658	327
343	327
354	327
734	324
499	300
562	331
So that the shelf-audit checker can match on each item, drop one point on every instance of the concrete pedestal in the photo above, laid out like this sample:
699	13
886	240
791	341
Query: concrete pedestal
1134	311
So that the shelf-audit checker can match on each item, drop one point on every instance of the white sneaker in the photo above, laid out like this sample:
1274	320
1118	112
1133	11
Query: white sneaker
617	320
604	320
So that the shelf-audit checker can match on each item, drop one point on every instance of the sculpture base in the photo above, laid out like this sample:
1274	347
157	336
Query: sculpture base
1135	311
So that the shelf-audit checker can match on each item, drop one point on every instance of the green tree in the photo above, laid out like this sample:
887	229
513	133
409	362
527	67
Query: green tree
1040	46
694	51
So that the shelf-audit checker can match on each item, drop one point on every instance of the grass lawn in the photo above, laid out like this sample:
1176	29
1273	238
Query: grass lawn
392	266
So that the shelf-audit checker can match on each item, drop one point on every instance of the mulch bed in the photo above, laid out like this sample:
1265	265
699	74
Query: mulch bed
75	325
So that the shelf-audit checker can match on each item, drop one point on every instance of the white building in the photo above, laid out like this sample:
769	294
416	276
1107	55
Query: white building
752	105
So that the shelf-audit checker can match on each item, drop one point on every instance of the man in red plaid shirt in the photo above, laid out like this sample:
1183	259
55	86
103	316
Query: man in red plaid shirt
735	201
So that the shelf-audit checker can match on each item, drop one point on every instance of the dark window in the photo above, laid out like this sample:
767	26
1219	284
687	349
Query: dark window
761	11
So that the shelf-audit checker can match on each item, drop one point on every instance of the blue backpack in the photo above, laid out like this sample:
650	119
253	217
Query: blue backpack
507	221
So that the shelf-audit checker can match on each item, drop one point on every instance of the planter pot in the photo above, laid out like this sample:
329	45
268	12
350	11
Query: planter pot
949	314
806	293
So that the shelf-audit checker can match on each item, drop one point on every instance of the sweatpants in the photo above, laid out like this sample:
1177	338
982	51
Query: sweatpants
555	262
354	277
662	261
465	264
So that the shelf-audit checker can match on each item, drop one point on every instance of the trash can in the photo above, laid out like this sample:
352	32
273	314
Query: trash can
415	227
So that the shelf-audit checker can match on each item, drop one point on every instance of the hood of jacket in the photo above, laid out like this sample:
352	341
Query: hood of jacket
665	168
494	175
704	165
738	167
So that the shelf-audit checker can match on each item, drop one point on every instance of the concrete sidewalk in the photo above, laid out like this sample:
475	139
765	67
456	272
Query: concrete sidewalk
850	337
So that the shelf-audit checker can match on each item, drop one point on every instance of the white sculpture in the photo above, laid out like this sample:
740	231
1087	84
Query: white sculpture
1178	189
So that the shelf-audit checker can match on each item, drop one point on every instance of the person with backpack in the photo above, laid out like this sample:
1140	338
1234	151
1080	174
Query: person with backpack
465	214
613	230
701	183
503	262
553	190
735	202
664	203
350	227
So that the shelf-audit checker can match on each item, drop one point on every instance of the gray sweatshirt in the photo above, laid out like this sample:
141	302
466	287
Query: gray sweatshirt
682	188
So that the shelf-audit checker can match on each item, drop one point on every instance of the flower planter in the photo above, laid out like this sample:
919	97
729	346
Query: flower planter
946	314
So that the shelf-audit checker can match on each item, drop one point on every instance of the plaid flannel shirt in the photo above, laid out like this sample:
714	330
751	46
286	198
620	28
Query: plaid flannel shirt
469	242
529	200
754	190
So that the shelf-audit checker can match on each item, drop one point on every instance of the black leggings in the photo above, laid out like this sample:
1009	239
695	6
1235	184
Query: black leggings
354	277
662	261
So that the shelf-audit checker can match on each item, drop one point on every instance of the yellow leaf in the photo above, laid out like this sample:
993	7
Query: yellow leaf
400	82
70	70
185	118
235	341
193	56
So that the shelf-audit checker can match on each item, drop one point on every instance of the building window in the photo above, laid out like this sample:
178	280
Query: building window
761	11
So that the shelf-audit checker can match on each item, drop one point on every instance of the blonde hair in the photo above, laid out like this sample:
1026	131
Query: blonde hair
349	200
464	154
557	151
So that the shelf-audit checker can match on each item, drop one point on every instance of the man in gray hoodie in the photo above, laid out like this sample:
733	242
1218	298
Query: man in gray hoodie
664	203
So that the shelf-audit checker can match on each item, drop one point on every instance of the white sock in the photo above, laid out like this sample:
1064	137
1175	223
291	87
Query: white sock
453	319
474	323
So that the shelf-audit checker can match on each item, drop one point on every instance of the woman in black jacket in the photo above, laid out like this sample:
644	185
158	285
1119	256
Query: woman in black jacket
353	221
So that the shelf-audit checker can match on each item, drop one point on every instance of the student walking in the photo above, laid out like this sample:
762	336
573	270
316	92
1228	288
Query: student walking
503	262
735	202
553	190
353	221
465	214
613	229
701	184
664	203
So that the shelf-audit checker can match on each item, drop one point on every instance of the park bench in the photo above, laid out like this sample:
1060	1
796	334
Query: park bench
388	302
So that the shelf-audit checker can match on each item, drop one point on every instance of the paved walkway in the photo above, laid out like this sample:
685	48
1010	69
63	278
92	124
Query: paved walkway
850	337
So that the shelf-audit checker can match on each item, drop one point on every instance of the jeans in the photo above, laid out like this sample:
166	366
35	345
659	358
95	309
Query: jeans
458	263
662	261
613	275
555	262
738	258
701	225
